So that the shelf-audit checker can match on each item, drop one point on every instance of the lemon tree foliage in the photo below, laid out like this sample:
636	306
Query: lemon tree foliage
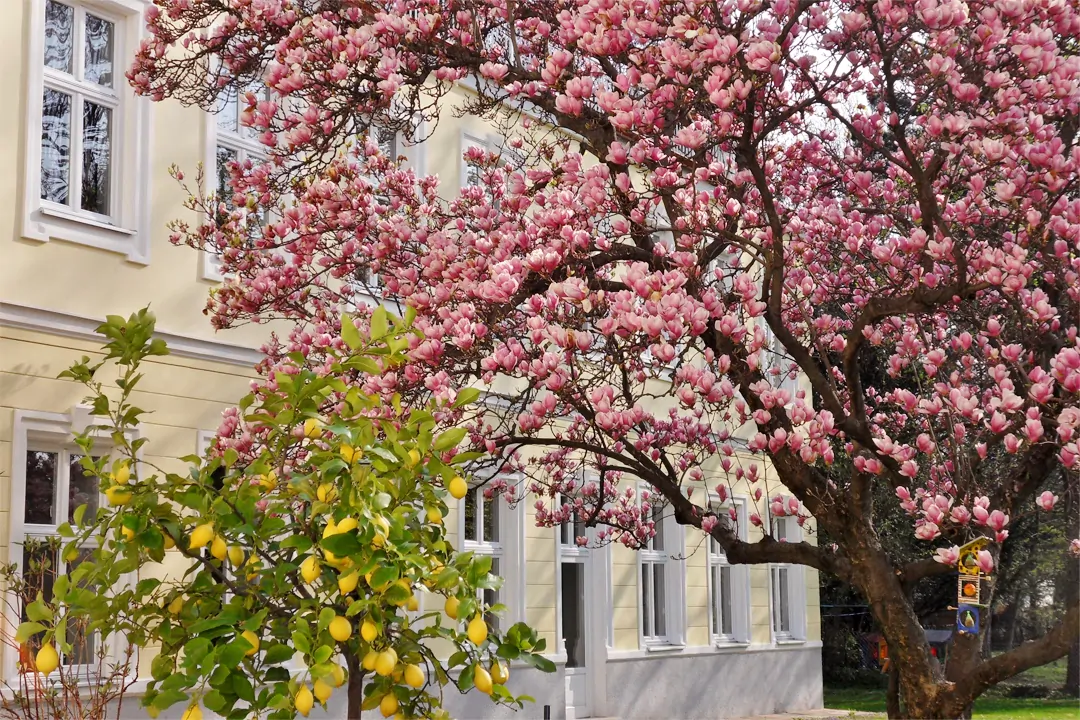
314	563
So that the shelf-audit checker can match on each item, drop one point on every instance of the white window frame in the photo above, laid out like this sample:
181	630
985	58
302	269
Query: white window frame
738	579
245	145
490	143
412	156
126	230
787	529
568	551
775	357
671	557
509	549
31	431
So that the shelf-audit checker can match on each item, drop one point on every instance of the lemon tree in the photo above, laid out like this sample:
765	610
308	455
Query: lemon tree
313	560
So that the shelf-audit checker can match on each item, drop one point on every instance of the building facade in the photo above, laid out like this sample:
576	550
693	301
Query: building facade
669	631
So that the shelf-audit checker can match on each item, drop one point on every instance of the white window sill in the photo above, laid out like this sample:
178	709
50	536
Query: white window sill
727	644
85	220
664	647
790	641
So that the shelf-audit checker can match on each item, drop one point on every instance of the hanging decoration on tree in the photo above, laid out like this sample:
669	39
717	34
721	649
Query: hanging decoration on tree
972	584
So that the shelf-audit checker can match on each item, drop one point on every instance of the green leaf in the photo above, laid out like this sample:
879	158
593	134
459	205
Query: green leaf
350	334
38	610
80	511
385	575
396	594
539	662
322	654
168	698
449	439
277	654
342	544
242	686
466	396
380	323
28	630
214	700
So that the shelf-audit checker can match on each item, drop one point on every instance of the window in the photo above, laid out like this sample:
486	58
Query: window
777	365
230	144
87	173
785	586
472	174
728	584
572	560
49	484
661	586
482	531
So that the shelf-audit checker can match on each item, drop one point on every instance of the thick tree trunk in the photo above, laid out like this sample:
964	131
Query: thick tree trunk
355	687
892	697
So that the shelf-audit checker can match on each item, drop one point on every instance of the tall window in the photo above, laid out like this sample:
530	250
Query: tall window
721	592
482	534
788	610
662	581
79	109
56	485
235	143
572	559
729	585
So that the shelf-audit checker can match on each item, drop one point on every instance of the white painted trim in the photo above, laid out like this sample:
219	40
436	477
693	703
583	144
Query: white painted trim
131	172
80	327
49	428
796	587
695	650
674	580
741	624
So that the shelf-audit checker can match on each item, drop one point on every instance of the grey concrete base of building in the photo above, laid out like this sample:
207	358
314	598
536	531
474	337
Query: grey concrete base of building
646	686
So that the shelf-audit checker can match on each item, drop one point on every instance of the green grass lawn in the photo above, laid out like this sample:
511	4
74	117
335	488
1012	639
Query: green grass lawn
988	707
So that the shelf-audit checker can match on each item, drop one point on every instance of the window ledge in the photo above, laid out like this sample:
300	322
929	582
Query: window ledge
85	220
722	644
665	647
790	641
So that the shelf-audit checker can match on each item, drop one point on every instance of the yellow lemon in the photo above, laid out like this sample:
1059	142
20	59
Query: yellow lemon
414	458
169	542
434	516
347	583
458	487
253	641
122	474
382	529
201	535
236	555
368	631
304	700
325	492
500	673
350	454
338	674
218	548
368	663
347	524
340	628
176	605
452	606
385	662
128	533
412	604
46	660
330	529
478	630
312	428
310	569
414	676
194	712
323	690
71	555
482	680
118	495
388	705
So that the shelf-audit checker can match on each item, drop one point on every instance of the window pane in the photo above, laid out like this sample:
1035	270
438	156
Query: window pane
99	51
59	35
97	148
55	145
715	594
82	490
261	92
725	601
228	117
473	174
784	600
491	597
224	156
83	641
387	140
470	528
573	613
40	487
660	601
491	520
39	570
646	600
658	541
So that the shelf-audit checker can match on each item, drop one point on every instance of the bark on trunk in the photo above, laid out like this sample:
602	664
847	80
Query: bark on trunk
355	687
1072	591
892	697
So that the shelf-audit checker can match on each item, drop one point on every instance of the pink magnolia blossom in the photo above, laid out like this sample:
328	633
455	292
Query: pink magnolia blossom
1046	500
947	556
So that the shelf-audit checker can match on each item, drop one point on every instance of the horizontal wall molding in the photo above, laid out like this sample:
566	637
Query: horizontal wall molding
80	327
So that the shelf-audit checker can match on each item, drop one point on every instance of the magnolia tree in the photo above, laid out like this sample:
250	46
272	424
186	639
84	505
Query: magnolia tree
295	574
848	232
